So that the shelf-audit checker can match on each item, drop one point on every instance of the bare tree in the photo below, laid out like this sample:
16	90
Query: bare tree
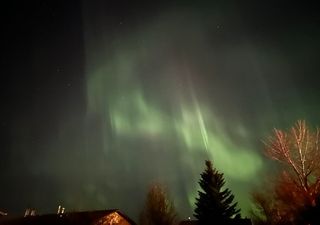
298	184
298	151
158	209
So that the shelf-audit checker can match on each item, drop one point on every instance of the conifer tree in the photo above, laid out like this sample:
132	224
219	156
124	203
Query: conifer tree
215	203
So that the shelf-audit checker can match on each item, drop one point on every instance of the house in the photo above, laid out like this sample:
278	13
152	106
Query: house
100	217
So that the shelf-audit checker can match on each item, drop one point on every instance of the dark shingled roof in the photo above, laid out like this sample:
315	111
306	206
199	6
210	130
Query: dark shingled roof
72	218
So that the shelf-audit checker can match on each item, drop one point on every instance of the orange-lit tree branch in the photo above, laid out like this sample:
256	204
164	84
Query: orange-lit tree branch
298	150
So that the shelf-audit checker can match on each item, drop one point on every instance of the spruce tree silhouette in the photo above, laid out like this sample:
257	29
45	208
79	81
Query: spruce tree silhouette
215	205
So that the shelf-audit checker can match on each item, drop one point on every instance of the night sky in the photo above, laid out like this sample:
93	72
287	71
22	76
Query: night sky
101	98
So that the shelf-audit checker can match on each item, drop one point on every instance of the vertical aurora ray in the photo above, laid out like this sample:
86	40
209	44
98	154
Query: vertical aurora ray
195	102
202	126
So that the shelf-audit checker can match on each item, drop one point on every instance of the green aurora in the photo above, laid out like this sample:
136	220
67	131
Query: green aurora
186	85
102	98
141	87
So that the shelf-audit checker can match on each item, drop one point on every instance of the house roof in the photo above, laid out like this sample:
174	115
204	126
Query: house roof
71	218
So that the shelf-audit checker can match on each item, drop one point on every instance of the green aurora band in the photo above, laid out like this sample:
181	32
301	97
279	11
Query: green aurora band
167	91
143	94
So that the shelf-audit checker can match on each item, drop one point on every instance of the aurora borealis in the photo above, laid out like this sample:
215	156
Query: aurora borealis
119	95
